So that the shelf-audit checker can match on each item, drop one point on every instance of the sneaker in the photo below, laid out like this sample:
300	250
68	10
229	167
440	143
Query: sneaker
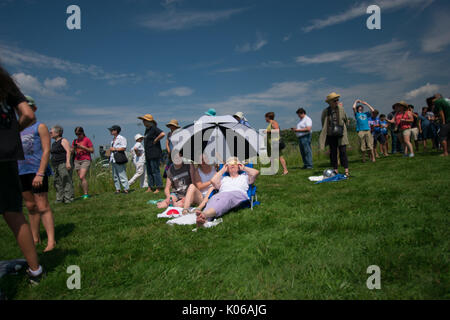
35	280
411	155
86	196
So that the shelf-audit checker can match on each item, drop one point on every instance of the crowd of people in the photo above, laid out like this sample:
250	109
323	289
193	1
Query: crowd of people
28	158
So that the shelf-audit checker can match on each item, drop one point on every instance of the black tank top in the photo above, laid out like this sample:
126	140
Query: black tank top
58	153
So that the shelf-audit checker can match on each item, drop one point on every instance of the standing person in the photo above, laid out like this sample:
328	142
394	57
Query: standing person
172	125
384	131
415	127
138	153
34	172
403	120
12	101
303	132
153	152
396	146
119	167
334	131
375	128
425	126
82	148
442	110
274	127
60	160
239	116
363	129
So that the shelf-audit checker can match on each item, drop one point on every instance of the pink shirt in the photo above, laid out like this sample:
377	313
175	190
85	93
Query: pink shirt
81	154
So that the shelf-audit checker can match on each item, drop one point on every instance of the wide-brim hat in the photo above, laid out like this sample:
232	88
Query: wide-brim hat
138	136
147	117
211	112
332	96
402	104
174	123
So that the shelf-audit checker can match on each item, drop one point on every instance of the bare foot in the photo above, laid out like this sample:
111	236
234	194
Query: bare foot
444	155
50	247
285	173
156	191
201	220
148	190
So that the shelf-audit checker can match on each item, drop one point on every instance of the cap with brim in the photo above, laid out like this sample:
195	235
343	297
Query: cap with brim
332	96
173	122
147	117
211	112
138	136
30	101
402	104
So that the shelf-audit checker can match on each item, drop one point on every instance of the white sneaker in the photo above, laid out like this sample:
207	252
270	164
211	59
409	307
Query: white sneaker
411	155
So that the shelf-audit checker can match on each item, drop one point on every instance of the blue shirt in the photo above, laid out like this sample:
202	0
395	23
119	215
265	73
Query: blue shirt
362	121
374	122
384	129
424	121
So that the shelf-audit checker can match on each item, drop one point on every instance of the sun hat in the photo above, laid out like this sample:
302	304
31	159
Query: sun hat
401	103
173	122
332	96
233	160
239	114
115	127
30	101
211	112
138	136
147	117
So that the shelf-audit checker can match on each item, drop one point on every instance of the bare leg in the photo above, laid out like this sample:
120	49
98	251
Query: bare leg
202	216
445	147
33	215
283	164
21	230
193	195
205	199
46	214
84	183
372	152
408	145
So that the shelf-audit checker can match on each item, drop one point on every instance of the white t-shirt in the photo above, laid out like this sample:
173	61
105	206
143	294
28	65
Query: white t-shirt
239	183
141	157
304	123
120	142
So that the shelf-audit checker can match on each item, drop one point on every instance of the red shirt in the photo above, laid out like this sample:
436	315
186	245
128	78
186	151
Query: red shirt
400	120
81	154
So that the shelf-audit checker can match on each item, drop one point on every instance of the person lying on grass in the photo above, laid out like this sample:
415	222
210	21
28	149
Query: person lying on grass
179	178
232	190
199	191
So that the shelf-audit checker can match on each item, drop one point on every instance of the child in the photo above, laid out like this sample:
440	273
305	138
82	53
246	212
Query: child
139	162
384	131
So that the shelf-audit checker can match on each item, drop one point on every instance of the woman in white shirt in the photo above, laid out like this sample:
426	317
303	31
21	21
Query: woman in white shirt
119	171
139	162
199	191
232	190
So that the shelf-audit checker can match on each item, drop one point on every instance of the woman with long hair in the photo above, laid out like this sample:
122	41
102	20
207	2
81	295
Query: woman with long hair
273	127
82	147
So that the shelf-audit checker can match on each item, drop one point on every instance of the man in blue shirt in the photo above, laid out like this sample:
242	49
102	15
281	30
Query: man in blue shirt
363	129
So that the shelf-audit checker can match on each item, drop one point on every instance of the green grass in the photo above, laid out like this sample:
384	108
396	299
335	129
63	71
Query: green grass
304	241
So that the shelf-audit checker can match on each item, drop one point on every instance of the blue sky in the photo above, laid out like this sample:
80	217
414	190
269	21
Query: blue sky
177	58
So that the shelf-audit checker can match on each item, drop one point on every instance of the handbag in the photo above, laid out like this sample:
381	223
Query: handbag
120	157
336	130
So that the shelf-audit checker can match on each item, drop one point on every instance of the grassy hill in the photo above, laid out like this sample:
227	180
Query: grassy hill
304	241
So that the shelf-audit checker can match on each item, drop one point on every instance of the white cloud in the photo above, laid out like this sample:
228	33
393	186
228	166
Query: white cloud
425	90
31	85
438	36
360	10
176	20
179	92
260	42
325	57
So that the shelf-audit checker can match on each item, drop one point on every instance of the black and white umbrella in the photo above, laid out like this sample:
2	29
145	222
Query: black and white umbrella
219	138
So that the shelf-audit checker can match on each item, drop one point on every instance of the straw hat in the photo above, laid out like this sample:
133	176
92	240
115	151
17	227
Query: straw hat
401	103
138	136
174	123
240	115
147	117
332	96
233	160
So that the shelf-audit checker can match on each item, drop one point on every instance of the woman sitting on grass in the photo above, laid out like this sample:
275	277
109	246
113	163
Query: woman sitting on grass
232	190
201	187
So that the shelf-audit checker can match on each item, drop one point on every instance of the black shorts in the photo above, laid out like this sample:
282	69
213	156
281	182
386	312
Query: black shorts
378	137
27	184
443	133
10	188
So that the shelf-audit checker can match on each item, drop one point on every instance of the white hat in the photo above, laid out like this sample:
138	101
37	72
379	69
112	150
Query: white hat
240	115
138	136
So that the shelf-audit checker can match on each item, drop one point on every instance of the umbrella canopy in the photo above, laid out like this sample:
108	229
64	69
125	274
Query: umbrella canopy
219	138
